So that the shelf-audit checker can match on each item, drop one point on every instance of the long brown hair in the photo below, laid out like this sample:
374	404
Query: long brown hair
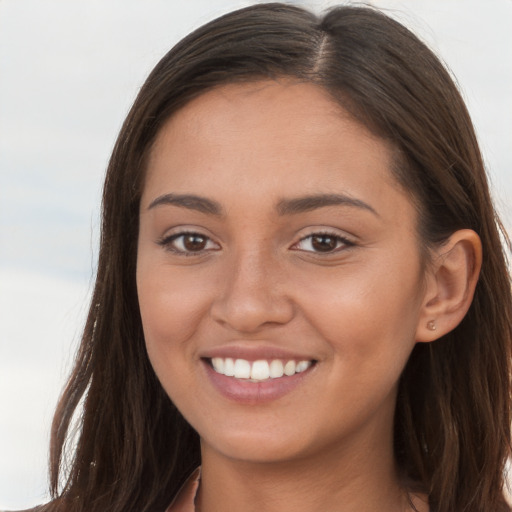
452	427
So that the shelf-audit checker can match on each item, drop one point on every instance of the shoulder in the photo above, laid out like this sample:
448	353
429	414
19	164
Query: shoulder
185	498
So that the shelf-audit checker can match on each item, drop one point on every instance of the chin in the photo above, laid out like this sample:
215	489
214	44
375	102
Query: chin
265	445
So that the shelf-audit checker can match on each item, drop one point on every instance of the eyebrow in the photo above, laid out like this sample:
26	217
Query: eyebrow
313	202
189	201
284	206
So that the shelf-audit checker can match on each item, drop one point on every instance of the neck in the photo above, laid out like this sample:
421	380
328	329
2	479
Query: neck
361	479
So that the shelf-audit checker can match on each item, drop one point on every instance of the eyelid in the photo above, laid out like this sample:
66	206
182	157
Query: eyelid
346	241
167	240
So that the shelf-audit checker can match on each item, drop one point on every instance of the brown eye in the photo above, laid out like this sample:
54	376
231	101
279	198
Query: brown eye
188	244
324	243
194	242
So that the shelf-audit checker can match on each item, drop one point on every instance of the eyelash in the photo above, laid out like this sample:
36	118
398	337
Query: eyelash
341	242
167	243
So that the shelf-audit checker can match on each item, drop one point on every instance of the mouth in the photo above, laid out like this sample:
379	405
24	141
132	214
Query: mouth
258	371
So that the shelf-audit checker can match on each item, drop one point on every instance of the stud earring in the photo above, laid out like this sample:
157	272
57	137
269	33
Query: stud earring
431	325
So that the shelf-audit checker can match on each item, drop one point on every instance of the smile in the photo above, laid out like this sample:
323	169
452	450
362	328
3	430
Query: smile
260	370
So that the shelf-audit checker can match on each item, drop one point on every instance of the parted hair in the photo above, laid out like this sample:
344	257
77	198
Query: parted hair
118	442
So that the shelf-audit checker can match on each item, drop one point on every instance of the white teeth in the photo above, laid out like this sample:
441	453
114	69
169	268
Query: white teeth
218	364
229	367
242	369
289	368
260	370
276	369
302	366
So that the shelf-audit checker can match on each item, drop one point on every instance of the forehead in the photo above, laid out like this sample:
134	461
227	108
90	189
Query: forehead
280	135
291	98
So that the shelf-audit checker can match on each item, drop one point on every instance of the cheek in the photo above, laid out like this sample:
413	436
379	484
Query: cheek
171	305
169	313
368	316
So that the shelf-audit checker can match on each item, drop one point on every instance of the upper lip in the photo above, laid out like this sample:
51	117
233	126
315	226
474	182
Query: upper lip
254	352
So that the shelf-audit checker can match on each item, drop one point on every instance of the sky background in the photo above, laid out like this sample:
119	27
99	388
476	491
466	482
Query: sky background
69	71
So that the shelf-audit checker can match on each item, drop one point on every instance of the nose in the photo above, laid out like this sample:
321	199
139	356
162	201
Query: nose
252	295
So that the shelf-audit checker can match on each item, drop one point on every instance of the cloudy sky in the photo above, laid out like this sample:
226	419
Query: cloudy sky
69	71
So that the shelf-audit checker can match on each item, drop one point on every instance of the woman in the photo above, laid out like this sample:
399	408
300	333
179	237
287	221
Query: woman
301	284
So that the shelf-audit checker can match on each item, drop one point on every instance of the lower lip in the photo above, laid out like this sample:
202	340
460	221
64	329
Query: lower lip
243	391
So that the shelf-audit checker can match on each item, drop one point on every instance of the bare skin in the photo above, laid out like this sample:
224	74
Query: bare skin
271	227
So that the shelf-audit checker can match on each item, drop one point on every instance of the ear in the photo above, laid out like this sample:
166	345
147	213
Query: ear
451	281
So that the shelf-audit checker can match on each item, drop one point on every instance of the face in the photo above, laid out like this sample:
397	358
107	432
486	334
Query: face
279	273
